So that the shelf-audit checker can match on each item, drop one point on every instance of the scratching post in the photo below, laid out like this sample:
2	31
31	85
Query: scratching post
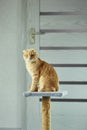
46	116
46	105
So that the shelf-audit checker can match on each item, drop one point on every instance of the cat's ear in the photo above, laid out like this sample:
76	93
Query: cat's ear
24	51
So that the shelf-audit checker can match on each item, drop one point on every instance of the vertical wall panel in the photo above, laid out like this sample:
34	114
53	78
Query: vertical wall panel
12	73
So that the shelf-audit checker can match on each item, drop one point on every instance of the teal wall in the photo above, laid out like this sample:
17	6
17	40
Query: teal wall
12	72
10	129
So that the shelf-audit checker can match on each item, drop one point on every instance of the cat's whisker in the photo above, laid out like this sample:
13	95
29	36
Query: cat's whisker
30	60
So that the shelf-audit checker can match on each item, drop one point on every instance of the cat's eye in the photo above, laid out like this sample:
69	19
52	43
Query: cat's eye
32	55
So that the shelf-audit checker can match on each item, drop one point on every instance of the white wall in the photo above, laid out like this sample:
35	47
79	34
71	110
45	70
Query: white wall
12	70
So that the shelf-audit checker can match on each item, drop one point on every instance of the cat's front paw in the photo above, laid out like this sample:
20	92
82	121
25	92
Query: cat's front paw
41	90
33	89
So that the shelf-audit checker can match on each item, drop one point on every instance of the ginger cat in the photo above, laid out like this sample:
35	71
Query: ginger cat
44	77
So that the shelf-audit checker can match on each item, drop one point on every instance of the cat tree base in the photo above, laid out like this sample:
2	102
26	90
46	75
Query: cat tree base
46	105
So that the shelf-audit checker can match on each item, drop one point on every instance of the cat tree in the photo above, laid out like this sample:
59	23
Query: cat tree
46	105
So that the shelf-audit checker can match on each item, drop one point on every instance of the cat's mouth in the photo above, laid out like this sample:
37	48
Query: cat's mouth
31	60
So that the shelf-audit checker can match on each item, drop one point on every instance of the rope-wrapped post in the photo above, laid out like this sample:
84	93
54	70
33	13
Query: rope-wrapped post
46	113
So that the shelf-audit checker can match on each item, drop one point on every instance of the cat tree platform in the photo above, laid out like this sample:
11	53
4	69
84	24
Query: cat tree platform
46	105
